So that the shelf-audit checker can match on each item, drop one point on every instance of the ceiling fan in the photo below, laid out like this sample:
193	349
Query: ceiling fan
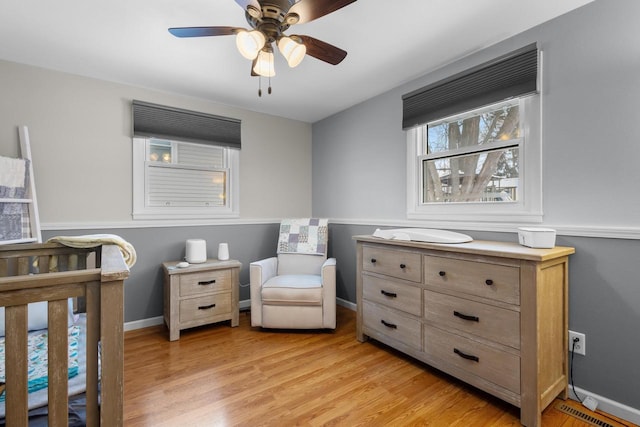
269	19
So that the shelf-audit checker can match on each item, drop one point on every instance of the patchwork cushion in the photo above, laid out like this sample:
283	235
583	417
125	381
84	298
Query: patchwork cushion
293	289
303	236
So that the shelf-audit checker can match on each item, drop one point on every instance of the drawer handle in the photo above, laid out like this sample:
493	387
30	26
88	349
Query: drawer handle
389	325
209	282
373	260
403	266
489	282
442	273
388	294
466	316
206	307
466	356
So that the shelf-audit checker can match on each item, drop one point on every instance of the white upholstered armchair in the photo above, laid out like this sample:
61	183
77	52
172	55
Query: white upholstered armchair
296	289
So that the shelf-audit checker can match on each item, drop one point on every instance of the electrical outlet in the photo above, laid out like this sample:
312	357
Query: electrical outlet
580	346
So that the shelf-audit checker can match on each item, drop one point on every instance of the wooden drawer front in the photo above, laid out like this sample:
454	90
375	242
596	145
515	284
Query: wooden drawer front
498	282
493	365
205	282
486	321
204	308
392	294
392	262
393	324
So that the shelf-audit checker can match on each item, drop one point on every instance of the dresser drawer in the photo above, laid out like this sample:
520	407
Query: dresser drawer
498	282
486	362
392	262
205	308
395	295
205	282
393	324
492	323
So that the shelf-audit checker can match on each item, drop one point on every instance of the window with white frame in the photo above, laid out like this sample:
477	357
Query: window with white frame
477	165
185	164
181	180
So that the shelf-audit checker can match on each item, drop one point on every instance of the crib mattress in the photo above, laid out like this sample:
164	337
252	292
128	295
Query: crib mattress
38	392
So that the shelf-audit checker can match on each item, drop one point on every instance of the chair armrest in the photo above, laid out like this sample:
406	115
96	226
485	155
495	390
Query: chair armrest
259	273
263	270
328	267
328	273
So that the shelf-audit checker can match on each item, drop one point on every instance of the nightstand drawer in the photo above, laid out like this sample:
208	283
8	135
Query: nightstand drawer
392	294
489	363
205	282
492	323
401	264
393	324
205	308
497	282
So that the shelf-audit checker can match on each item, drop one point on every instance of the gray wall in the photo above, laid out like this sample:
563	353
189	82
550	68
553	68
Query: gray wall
591	108
80	131
143	288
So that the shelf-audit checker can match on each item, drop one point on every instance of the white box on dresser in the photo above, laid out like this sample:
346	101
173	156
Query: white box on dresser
492	314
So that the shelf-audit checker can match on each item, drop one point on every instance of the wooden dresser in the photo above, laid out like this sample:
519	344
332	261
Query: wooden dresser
200	294
492	314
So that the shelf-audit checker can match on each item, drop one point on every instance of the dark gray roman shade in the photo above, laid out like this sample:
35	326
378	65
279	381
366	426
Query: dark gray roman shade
513	74
159	121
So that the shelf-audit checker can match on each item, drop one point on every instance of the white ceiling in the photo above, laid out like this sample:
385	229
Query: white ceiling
388	43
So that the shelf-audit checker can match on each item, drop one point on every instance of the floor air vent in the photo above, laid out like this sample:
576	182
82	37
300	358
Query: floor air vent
576	412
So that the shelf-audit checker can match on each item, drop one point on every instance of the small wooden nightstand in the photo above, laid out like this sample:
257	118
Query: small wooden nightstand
200	294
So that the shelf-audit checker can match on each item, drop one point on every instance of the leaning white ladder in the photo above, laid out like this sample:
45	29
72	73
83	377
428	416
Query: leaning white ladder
30	199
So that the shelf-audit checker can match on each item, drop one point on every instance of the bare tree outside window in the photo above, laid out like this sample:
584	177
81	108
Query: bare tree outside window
473	158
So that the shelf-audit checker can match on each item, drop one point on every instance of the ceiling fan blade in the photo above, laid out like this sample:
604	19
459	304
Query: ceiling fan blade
323	50
203	31
253	64
308	10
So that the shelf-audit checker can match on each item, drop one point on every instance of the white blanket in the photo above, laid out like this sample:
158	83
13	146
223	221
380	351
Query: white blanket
12	172
93	240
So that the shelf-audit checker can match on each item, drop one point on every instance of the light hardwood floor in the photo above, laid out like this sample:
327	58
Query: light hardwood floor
221	376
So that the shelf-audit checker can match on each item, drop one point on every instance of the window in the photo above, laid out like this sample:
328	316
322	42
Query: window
481	165
185	163
473	157
182	180
474	143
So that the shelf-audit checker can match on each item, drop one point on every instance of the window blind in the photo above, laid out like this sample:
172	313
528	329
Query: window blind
180	187
158	121
510	75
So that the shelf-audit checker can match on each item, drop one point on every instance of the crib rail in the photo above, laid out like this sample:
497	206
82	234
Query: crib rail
52	272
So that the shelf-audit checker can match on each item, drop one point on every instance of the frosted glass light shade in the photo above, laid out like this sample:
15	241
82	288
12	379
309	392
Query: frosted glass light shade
249	43
264	64
292	49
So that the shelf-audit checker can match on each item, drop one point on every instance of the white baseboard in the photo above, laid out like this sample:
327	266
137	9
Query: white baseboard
144	323
244	304
348	304
609	406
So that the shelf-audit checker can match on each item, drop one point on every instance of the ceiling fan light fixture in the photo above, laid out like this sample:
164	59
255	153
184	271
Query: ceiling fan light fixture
264	64
292	49
250	43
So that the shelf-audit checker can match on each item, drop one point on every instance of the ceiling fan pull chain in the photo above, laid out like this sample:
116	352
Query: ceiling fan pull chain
269	90
259	86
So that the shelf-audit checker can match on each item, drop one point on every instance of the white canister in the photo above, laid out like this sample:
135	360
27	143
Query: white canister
223	251
196	251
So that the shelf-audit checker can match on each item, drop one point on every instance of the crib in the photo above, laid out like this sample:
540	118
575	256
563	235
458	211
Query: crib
93	278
